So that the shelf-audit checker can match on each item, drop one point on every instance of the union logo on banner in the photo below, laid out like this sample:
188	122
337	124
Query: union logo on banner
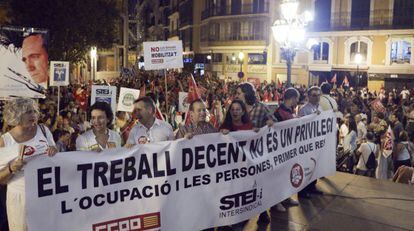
140	222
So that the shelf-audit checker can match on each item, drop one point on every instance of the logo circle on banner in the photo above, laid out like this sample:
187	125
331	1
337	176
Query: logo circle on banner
28	151
128	99
240	74
143	140
296	175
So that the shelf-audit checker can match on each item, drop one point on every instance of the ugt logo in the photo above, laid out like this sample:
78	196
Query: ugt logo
296	175
240	199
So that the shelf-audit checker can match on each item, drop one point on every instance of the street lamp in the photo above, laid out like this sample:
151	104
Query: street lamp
358	60
289	31
93	62
241	57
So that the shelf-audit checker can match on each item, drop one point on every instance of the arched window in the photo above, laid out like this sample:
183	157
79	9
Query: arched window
320	52
355	45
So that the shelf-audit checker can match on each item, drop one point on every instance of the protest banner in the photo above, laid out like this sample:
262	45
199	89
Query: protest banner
163	55
21	74
211	180
59	73
127	96
103	93
377	106
183	102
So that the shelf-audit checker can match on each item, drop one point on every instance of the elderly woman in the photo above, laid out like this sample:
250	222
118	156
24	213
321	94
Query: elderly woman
100	137
22	115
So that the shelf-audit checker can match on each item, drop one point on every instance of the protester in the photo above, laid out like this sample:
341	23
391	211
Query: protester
236	118
62	138
198	126
365	150
22	115
326	101
311	107
100	137
148	128
403	152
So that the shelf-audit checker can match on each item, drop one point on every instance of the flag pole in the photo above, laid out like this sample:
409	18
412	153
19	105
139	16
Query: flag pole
58	101
166	93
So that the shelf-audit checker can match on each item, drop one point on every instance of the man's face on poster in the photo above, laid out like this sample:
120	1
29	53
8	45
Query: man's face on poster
35	57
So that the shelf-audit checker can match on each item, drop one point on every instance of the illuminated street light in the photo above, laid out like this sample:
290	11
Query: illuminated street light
94	57
289	31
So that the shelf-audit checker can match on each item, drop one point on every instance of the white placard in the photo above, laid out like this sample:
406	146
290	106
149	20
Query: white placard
183	102
208	181
104	94
163	55
59	73
127	96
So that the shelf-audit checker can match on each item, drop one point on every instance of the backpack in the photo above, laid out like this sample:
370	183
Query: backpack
371	163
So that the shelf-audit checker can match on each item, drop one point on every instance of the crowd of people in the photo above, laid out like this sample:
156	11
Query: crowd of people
363	120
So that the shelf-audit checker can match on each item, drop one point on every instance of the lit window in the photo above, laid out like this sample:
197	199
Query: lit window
361	48
400	52
321	52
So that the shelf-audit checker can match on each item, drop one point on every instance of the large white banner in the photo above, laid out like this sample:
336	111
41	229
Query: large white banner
208	181
127	96
59	73
163	54
105	94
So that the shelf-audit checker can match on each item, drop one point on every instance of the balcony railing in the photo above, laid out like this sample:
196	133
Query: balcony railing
229	10
236	37
376	19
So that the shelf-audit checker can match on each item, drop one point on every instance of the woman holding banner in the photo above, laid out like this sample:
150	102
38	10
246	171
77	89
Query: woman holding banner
34	140
100	137
236	118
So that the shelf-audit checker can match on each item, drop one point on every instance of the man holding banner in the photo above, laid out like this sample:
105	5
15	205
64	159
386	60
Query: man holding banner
148	128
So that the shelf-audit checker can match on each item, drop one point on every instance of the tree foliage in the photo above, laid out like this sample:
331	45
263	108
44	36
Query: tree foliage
74	25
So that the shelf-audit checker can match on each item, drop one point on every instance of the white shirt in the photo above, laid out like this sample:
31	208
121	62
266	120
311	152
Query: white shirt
365	150
405	93
160	131
362	130
328	103
343	131
87	141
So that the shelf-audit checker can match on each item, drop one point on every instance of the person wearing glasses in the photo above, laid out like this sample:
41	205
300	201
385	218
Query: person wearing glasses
22	115
99	137
312	106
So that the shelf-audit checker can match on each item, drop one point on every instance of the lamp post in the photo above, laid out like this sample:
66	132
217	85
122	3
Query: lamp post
93	62
358	60
241	57
289	32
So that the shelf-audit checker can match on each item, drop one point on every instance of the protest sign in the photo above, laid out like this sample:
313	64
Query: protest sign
59	73
163	55
127	96
105	94
24	62
377	106
183	102
211	180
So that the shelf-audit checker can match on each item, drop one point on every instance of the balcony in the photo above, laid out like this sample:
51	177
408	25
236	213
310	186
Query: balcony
236	37
229	10
376	19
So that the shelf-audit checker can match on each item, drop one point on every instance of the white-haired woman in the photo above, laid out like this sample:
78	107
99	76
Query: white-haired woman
22	115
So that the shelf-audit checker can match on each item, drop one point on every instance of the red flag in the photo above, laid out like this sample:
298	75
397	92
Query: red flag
266	96
279	84
333	80
142	91
193	92
225	88
158	113
346	81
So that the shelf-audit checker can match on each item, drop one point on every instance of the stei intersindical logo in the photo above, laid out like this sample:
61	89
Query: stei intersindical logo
236	204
